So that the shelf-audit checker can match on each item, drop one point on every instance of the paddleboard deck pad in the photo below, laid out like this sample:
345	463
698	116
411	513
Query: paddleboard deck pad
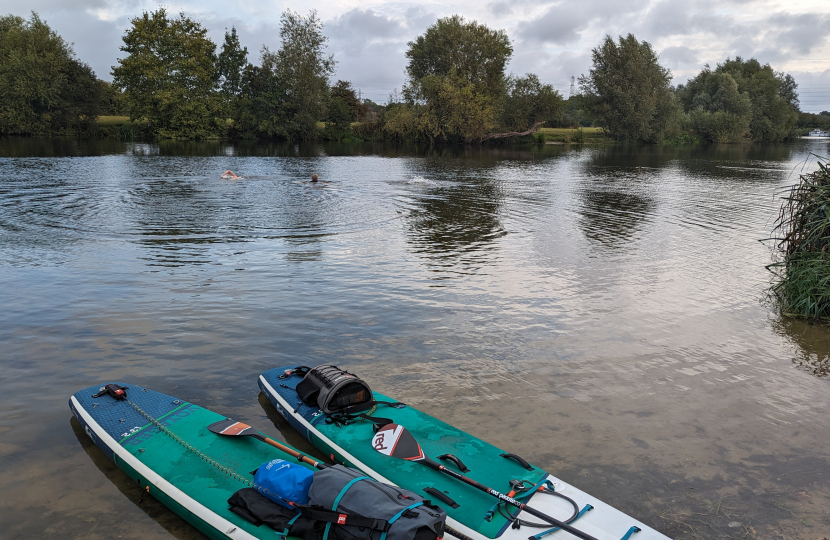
164	444
470	511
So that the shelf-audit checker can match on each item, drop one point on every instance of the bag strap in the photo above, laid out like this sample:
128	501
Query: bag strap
337	501
333	516
350	415
399	514
288	525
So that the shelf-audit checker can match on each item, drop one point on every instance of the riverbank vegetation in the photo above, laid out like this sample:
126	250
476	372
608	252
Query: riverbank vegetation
45	88
802	277
741	100
172	81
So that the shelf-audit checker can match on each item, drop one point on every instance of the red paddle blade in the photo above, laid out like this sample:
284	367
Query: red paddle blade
394	440
231	427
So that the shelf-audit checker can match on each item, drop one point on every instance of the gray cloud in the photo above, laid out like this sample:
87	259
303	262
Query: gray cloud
803	33
358	26
370	47
678	56
500	8
564	22
669	18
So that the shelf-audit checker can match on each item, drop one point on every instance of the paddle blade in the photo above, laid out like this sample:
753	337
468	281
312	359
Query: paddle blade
394	440
231	427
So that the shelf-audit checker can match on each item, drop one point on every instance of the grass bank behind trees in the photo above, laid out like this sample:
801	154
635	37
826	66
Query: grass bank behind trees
802	278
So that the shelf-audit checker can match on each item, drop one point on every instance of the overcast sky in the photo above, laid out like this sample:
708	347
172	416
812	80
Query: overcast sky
552	38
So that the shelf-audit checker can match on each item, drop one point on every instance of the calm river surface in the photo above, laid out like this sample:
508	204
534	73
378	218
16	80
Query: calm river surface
599	311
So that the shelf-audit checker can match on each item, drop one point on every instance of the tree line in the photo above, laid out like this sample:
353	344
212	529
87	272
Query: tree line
175	82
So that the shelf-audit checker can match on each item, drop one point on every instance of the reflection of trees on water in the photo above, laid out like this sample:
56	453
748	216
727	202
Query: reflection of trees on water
174	221
58	147
811	343
181	222
612	218
453	226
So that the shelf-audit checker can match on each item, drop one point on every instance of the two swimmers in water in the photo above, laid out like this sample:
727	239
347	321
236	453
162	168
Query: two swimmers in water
229	175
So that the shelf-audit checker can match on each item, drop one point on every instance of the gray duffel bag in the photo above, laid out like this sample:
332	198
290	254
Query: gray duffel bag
400	513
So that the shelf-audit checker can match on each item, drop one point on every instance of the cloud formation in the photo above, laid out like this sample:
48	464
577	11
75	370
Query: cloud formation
552	38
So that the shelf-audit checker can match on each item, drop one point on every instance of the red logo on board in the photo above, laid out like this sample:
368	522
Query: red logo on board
341	519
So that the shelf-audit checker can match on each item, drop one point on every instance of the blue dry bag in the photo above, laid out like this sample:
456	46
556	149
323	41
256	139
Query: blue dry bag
280	479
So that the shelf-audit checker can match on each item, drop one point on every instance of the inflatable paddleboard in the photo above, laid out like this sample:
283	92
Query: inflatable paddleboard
470	511
164	444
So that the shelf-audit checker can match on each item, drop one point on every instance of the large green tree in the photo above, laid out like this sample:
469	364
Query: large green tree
169	76
529	102
45	89
629	92
456	82
468	51
302	68
741	100
288	93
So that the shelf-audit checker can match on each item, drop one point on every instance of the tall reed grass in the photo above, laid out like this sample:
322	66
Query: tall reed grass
802	277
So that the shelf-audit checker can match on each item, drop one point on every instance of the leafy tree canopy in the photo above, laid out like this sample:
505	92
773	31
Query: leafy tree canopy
45	88
468	51
299	73
231	63
528	102
344	92
169	75
628	91
741	100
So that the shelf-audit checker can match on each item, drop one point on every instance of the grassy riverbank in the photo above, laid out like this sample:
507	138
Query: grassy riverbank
586	135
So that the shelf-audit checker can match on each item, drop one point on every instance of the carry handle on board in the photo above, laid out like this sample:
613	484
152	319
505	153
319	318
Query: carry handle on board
238	429
395	441
458	462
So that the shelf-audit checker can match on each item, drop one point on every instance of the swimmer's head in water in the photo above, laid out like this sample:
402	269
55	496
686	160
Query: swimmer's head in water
313	177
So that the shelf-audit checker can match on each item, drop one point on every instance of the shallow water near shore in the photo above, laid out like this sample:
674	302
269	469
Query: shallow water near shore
599	311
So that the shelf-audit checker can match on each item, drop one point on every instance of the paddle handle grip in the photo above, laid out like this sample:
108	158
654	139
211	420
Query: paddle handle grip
294	453
509	500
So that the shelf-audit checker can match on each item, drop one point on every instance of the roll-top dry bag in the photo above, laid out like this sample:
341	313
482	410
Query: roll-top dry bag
333	389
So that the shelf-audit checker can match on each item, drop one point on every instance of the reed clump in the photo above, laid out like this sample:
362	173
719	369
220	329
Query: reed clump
802	276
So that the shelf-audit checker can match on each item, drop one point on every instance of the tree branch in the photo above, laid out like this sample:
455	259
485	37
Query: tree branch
512	133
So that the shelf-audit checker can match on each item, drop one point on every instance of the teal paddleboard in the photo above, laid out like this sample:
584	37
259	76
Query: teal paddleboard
164	444
470	511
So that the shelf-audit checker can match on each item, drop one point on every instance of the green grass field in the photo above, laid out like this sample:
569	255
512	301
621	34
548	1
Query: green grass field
113	120
589	135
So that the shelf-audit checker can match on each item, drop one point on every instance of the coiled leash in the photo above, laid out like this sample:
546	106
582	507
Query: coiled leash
524	489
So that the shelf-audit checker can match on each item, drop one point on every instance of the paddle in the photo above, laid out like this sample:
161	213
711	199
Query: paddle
394	440
233	428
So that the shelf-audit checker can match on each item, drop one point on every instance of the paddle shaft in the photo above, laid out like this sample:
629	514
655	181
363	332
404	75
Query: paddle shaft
509	500
302	457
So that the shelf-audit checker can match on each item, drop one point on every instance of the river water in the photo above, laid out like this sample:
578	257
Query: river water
599	311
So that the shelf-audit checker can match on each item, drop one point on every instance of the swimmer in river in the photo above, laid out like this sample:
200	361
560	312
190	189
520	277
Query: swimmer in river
313	177
229	175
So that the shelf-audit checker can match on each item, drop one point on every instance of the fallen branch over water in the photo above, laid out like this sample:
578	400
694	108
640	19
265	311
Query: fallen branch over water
512	133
